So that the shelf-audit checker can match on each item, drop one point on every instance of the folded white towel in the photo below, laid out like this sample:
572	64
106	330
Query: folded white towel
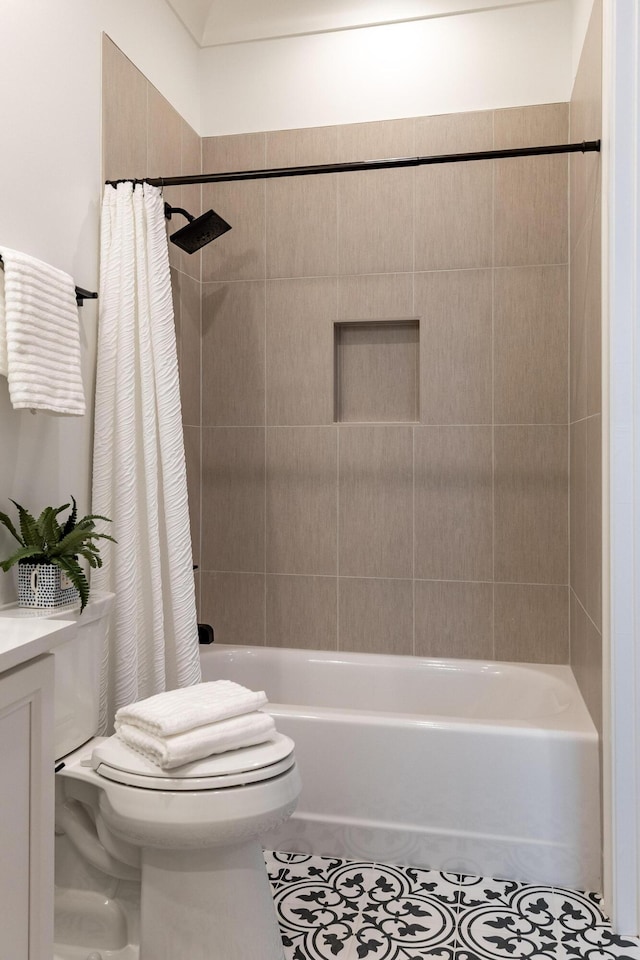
3	331
40	336
174	751
177	711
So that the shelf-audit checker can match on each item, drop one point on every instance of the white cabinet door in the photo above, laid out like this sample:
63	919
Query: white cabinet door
26	811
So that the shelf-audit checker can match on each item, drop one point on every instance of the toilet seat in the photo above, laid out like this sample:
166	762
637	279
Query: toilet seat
114	760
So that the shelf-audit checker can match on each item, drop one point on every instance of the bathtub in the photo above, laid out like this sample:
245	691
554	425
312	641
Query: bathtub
463	766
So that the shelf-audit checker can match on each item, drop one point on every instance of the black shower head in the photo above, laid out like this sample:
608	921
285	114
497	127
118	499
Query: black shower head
199	231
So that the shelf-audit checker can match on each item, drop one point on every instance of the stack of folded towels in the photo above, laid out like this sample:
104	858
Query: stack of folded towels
191	723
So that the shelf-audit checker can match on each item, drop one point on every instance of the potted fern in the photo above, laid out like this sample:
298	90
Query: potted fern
49	571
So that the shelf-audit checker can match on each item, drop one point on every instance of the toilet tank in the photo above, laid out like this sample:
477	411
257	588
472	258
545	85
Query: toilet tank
77	673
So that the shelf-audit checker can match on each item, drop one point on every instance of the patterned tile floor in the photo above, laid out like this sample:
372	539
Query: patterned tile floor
330	908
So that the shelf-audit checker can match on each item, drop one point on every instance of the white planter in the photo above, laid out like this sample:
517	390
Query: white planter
44	585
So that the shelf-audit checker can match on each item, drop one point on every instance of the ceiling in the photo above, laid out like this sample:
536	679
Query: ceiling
219	22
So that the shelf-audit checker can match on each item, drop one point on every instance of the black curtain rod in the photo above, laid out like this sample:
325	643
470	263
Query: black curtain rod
588	146
81	294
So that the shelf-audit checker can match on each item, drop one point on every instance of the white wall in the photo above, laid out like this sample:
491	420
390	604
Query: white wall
50	189
510	56
581	15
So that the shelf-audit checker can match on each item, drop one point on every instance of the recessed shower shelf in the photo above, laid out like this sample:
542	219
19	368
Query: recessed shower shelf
376	371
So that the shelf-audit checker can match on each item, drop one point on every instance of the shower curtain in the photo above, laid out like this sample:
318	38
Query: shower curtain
139	475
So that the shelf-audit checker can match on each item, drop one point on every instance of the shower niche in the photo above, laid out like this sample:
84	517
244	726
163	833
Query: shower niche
376	371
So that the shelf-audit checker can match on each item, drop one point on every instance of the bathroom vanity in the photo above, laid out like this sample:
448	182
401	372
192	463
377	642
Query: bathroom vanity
27	781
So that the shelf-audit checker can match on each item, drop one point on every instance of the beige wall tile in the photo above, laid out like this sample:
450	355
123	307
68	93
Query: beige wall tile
233	498
531	623
375	141
530	345
301	612
454	133
537	125
578	331
164	156
234	605
301	500
530	211
191	196
240	253
191	152
299	148
244	151
593	314
593	583
454	216
302	227
586	660
299	351
375	297
196	582
375	616
376	372
586	123
164	137
454	619
375	494
455	346
190	347
453	503
585	173
531	535
578	508
192	460
375	222
233	370
124	115
173	196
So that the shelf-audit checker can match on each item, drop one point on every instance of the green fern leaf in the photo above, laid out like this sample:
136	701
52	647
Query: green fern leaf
28	528
10	527
75	573
71	519
21	554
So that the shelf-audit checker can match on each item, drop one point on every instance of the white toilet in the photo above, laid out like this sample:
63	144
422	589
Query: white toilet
193	837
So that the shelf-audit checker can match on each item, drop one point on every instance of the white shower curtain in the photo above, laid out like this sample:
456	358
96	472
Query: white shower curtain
139	475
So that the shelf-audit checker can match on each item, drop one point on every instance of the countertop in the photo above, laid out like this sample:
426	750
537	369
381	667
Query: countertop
23	637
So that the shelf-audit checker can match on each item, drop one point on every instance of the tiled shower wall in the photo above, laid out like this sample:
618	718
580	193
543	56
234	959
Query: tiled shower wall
446	534
586	403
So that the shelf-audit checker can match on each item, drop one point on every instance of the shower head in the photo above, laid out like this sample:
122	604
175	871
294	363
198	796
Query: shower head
199	231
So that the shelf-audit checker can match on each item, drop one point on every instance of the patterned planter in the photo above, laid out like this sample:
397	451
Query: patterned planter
44	585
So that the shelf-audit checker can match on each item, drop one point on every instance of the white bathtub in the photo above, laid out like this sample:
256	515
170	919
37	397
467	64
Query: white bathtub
456	765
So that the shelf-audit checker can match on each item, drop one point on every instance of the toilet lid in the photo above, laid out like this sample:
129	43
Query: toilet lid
116	761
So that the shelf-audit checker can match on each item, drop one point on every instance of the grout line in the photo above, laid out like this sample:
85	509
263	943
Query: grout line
493	396
266	392
413	537
331	576
337	537
345	276
585	611
354	424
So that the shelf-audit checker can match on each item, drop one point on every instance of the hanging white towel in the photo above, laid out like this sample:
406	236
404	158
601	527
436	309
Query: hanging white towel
177	711
169	752
42	336
3	331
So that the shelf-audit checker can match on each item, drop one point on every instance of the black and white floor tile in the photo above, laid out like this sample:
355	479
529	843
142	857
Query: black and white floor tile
329	908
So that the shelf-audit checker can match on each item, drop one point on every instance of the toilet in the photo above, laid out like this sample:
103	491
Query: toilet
192	836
